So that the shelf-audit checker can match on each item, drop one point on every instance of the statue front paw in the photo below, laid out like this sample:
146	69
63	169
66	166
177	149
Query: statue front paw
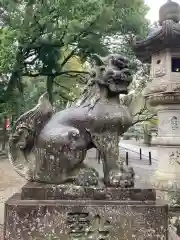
123	177
87	177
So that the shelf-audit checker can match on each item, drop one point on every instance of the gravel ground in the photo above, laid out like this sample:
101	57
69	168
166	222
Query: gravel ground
10	182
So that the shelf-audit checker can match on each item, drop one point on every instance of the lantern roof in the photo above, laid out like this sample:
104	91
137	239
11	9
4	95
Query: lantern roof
165	35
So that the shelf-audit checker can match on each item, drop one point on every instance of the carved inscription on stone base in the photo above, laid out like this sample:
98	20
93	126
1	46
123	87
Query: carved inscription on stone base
82	227
84	220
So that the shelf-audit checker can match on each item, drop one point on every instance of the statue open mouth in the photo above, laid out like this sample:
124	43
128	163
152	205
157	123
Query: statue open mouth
120	81
114	72
119	87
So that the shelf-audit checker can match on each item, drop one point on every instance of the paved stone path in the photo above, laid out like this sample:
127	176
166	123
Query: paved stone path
134	146
142	168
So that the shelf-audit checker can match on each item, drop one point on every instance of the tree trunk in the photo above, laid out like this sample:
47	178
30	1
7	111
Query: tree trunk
5	134
147	135
49	86
18	106
16	75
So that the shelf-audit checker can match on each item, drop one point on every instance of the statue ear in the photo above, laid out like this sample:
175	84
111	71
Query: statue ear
44	98
97	59
45	105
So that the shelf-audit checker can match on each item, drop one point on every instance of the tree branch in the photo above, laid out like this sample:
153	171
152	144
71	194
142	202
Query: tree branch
144	119
80	79
68	57
77	72
64	97
54	74
32	61
63	35
141	110
82	33
66	88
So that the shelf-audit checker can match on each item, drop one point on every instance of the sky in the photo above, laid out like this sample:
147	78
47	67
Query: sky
153	14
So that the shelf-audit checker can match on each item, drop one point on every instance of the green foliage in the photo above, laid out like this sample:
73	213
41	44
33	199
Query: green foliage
7	50
35	34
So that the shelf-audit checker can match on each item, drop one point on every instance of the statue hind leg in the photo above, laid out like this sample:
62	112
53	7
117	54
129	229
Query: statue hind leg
60	154
114	174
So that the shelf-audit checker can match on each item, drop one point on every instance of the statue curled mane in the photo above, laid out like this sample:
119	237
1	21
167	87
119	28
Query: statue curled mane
105	73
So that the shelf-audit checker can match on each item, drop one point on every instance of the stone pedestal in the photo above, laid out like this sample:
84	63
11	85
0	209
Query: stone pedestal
167	177
70	213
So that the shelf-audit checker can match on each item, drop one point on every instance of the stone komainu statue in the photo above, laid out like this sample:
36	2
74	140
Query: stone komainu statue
51	147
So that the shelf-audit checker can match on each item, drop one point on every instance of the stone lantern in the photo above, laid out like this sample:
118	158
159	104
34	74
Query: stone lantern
162	49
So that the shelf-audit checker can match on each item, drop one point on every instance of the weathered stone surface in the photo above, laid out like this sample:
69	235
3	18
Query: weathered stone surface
51	147
38	191
90	219
174	213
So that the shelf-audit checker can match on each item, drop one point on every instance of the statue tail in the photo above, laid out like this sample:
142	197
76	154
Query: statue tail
23	136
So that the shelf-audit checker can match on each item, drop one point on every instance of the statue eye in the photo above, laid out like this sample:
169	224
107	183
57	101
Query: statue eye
74	135
93	74
102	69
20	130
